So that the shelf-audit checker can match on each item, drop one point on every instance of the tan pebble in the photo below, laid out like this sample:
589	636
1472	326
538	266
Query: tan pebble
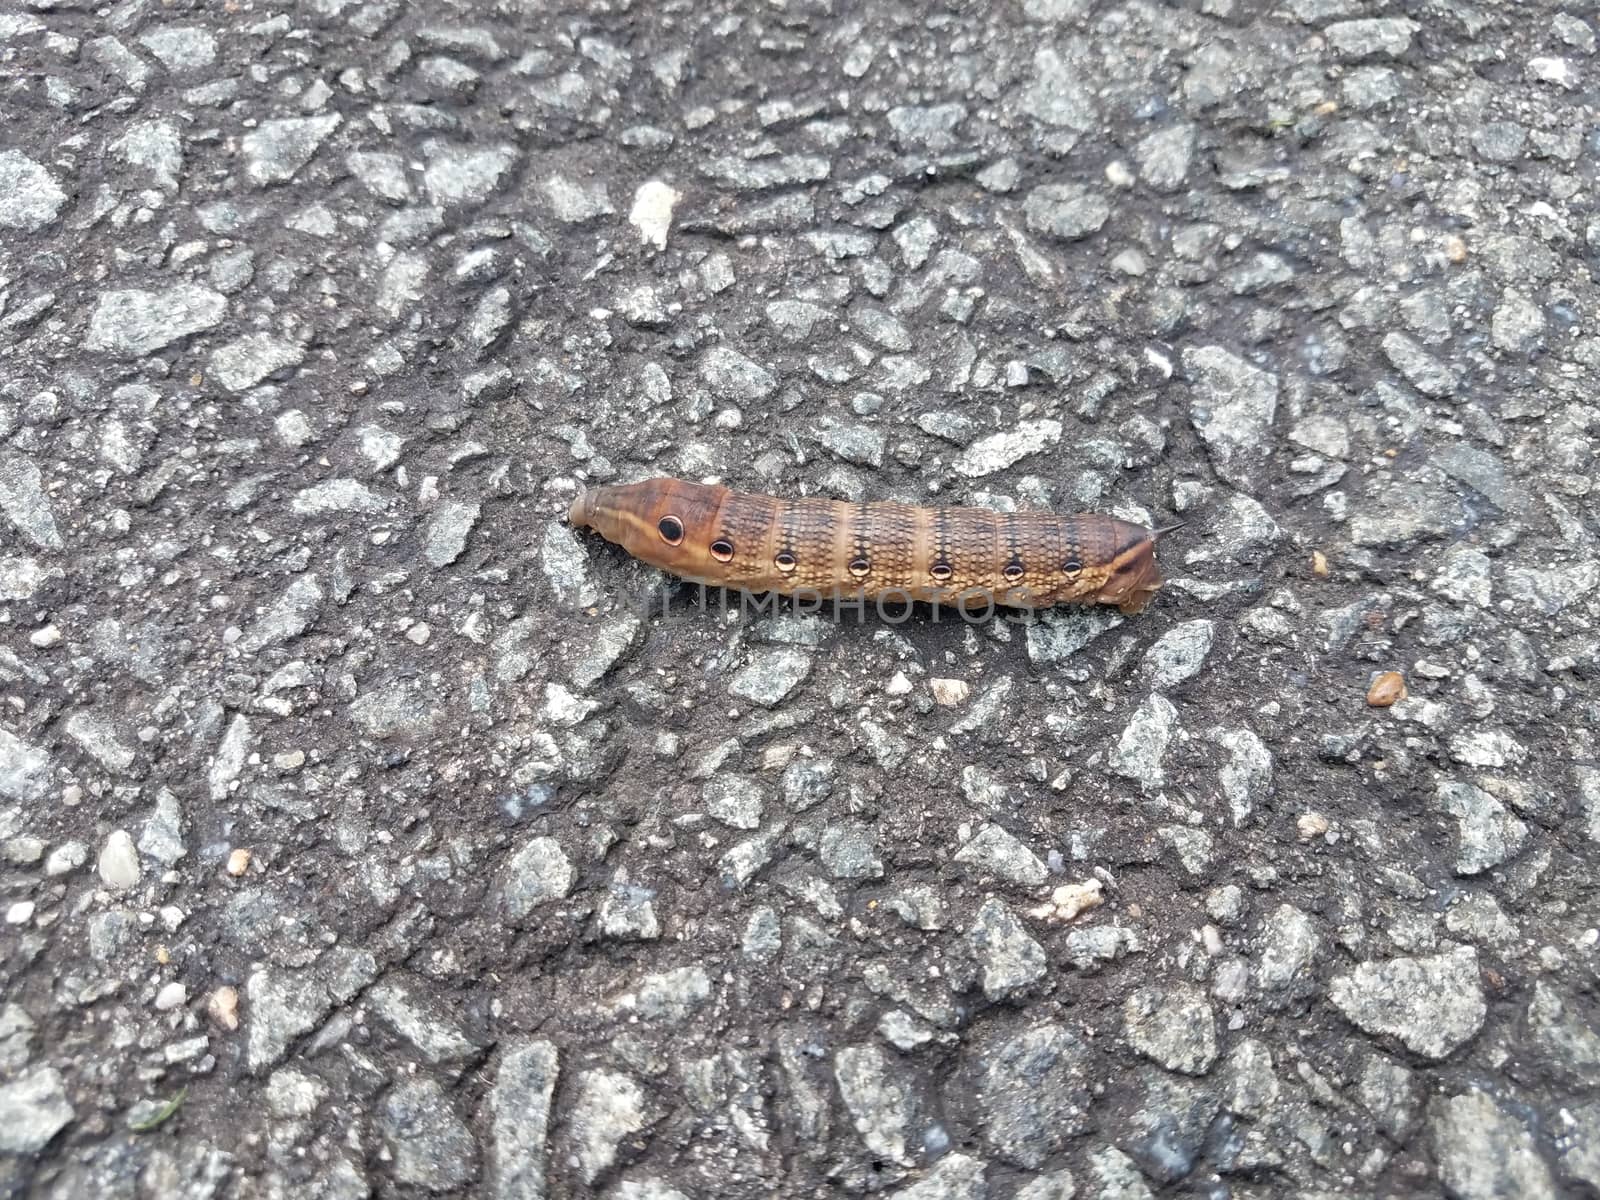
1071	899
1319	564
1327	108
238	862
1455	249
289	760
1386	689
1311	825
223	1005
950	692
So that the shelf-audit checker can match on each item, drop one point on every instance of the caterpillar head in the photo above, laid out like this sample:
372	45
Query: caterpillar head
1132	576
662	522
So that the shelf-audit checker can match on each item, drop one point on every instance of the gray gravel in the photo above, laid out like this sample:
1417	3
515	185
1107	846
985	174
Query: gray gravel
367	831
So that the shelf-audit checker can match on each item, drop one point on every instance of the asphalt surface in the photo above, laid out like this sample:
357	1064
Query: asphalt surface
367	831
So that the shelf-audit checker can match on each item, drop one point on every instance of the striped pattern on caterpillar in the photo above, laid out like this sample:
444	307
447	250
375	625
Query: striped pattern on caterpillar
708	534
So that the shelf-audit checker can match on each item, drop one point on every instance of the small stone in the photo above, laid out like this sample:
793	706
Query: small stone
607	647
65	858
1144	742
1070	900
1009	959
536	874
430	1145
45	637
606	1109
520	1102
241	364
445	537
222	1006
1068	211
1246	778
1232	405
949	692
278	149
33	197
764	173
880	1105
735	800
23	500
287	617
238	862
1487	835
171	996
734	377
998	451
576	202
997	854
1311	825
1061	92
1035	1089
1485	1153
1387	689
384	175
770	676
848	849
1434	1005
134	323
651	213
118	865
335	496
466	175
1164	157
1500	141
1290	944
1518	323
1179	653
33	1109
1387	37
1421	369
154	147
20	913
1001	176
1174	1026
181	47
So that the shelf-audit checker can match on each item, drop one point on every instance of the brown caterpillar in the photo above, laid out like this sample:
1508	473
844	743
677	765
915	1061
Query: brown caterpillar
875	551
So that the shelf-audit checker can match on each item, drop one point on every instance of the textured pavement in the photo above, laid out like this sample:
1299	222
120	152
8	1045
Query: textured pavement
365	831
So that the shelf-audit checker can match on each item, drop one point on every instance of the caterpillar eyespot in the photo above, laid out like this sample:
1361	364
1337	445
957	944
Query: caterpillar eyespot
873	550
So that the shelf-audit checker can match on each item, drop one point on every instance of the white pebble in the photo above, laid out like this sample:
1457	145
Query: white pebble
173	995
119	862
46	636
68	856
419	632
652	212
20	913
